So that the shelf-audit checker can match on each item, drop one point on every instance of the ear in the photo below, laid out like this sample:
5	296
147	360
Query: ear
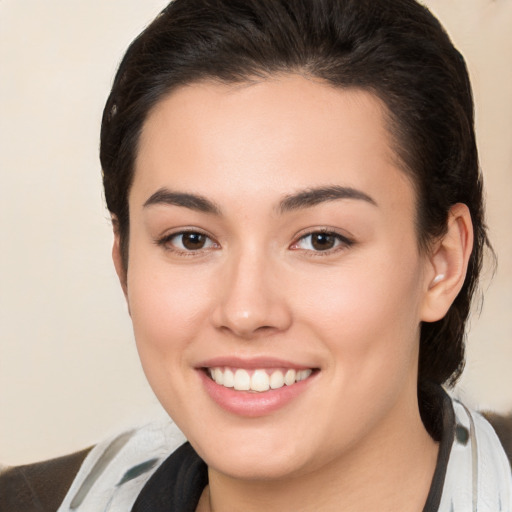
448	263
117	257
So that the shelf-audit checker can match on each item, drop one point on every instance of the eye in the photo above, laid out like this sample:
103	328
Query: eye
188	241
321	241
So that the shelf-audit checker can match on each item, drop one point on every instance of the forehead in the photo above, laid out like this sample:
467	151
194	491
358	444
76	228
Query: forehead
275	135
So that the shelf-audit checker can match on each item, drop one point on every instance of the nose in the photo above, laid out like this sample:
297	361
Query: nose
251	299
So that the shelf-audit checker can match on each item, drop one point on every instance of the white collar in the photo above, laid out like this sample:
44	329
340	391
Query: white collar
478	476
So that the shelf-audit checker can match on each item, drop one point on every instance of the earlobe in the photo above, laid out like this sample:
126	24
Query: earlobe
117	257
448	264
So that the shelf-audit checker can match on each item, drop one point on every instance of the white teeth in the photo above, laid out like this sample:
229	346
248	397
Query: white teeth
303	375
242	380
277	380
289	378
229	379
218	376
260	380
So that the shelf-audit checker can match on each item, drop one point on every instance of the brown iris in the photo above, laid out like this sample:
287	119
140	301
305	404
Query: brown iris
323	241
193	241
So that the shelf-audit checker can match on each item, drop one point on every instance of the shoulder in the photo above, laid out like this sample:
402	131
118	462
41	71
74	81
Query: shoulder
89	479
39	487
131	457
478	472
115	471
502	425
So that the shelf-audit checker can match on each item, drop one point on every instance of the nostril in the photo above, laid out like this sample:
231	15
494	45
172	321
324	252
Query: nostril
265	328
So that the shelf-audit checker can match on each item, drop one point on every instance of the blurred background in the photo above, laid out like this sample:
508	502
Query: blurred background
69	372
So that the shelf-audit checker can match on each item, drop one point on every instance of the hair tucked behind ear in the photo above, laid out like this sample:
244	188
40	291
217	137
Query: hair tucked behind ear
393	48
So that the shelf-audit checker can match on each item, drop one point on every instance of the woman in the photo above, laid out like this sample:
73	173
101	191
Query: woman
298	227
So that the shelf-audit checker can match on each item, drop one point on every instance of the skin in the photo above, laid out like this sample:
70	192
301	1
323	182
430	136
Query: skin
259	288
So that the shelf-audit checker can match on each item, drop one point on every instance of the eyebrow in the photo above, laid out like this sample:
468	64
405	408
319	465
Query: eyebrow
312	197
184	199
303	199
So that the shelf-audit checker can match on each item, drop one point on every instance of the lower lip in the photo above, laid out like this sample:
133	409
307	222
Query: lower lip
251	404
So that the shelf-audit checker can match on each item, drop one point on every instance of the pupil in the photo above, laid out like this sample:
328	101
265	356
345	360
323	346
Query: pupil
323	241
193	241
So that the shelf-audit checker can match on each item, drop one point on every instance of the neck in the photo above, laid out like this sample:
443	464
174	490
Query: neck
364	478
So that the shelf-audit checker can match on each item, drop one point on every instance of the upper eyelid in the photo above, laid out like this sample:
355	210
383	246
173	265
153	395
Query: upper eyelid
327	230
182	231
344	238
166	238
344	243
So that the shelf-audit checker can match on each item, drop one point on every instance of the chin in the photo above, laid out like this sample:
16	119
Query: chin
256	466
253	455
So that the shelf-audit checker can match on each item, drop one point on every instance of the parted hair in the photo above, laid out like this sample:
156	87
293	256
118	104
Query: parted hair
395	49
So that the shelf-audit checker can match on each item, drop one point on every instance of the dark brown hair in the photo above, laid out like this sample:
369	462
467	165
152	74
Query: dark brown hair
395	49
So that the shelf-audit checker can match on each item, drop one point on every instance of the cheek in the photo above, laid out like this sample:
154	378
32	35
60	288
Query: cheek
167	305
168	310
368	313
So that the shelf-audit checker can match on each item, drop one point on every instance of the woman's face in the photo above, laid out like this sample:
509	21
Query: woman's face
272	239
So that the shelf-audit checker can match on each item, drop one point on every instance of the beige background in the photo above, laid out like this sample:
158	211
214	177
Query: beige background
69	372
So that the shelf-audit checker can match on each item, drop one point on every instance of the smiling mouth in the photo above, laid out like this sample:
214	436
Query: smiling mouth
258	380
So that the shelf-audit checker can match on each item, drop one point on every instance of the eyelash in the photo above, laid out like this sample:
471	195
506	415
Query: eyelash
166	243
341	242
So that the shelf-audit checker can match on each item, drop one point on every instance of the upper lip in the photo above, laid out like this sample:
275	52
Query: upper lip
251	363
